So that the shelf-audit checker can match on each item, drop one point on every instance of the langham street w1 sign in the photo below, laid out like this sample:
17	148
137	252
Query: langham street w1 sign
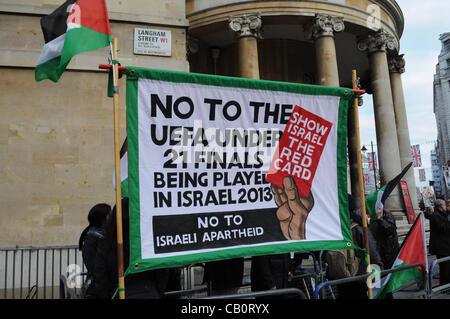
152	42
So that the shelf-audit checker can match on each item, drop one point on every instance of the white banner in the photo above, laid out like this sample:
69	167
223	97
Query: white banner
201	158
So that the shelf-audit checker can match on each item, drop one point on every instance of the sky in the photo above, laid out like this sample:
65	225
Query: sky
424	22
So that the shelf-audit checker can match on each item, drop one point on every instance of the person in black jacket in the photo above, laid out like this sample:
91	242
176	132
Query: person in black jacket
92	234
149	284
384	230
440	236
269	272
358	238
224	276
358	290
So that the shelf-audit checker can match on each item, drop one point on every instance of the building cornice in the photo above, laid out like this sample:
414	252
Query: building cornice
392	7
203	13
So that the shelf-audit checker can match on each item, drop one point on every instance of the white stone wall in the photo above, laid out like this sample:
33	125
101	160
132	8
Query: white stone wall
56	139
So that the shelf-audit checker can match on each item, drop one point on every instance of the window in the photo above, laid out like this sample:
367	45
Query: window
447	46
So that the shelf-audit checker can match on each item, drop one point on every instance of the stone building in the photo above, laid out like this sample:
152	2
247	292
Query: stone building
56	139
442	109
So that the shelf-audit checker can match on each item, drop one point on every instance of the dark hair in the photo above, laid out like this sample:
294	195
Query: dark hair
422	205
351	203
98	214
96	217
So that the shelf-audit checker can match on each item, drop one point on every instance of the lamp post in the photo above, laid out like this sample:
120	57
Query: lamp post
215	53
374	169
364	150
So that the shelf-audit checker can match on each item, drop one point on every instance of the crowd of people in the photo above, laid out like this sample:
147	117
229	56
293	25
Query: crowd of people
98	243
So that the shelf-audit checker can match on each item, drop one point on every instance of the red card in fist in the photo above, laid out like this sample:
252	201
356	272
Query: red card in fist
299	150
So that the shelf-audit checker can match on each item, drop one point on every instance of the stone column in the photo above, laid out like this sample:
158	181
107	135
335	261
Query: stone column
323	30
247	28
376	45
396	68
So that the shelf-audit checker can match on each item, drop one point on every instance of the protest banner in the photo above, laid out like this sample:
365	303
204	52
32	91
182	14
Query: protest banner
199	152
410	214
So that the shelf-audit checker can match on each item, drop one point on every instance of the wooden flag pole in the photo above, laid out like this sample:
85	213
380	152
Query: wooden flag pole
360	178
120	266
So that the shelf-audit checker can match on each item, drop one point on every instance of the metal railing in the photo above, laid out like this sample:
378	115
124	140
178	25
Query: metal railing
422	290
441	289
286	292
34	272
186	293
52	272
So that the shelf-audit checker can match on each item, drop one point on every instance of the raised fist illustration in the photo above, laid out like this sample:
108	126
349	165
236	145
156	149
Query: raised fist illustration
293	209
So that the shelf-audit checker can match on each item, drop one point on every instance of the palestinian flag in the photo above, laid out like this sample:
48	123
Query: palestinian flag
412	251
378	198
75	27
373	201
123	170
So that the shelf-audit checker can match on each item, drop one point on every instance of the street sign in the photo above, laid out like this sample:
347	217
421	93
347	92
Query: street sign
152	42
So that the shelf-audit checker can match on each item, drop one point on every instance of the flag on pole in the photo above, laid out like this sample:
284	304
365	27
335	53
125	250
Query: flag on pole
422	176
378	198
417	158
75	27
412	251
373	161
373	201
123	170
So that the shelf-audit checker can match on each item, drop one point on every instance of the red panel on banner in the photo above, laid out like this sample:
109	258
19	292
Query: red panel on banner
409	208
299	150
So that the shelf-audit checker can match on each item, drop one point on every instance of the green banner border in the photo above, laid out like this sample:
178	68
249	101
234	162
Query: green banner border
137	264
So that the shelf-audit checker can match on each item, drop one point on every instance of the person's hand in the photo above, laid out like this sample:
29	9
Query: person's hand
293	209
379	213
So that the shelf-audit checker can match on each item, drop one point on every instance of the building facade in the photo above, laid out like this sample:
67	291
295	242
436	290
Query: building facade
319	43
437	173
442	110
56	140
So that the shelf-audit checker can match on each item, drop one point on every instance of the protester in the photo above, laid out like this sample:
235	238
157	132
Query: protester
224	276
144	285
358	290
440	236
384	230
422	206
92	234
269	272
